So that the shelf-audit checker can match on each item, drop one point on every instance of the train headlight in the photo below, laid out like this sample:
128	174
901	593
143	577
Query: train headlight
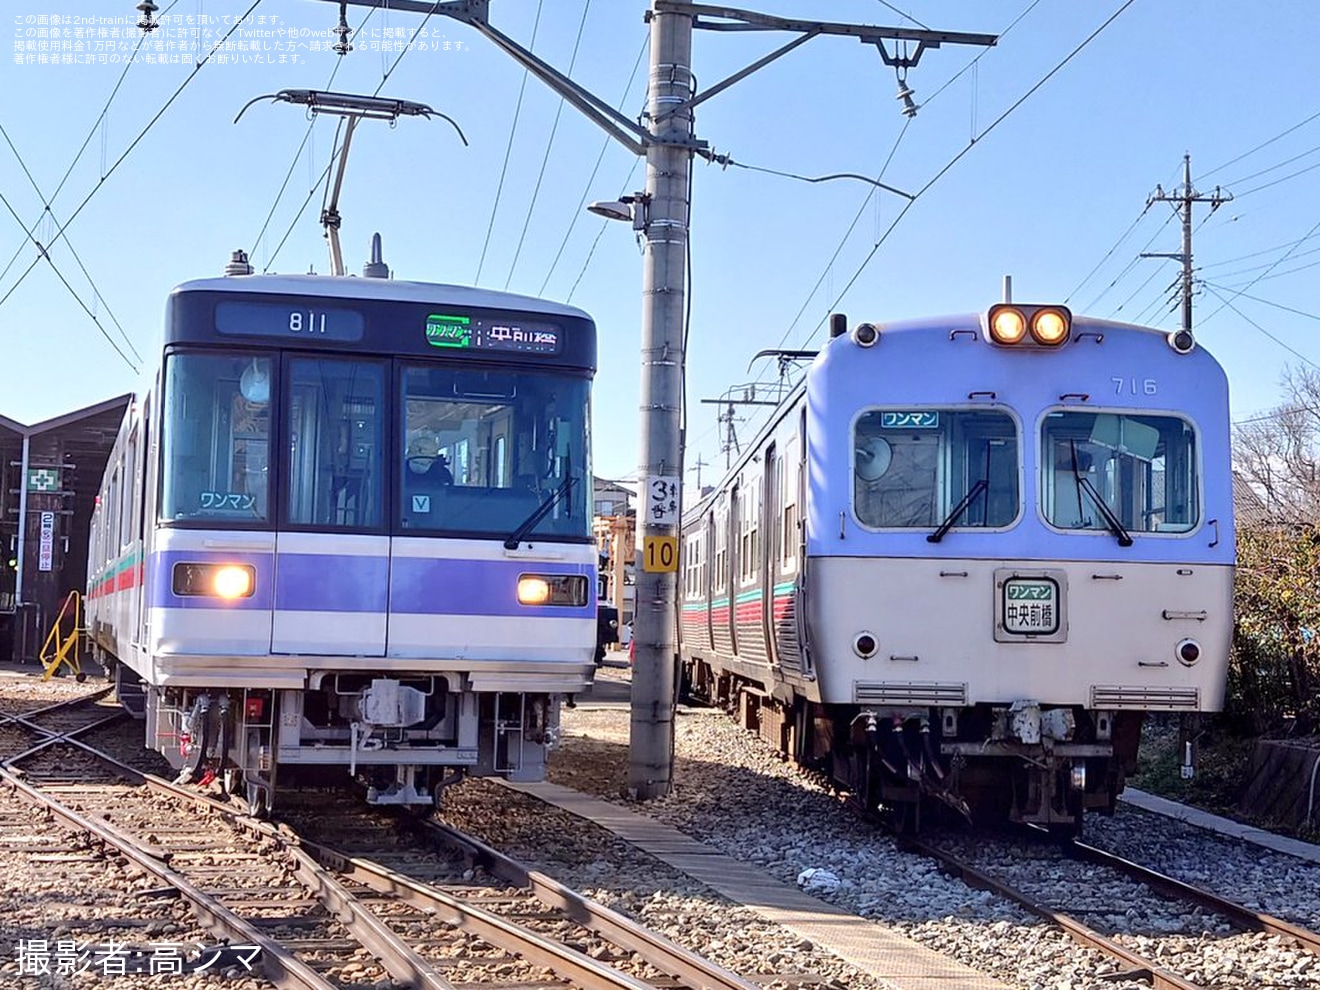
215	580
1049	326
1007	325
552	589
1188	652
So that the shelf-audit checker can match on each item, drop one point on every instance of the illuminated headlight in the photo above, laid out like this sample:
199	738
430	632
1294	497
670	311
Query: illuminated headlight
1049	326
215	580
1007	325
552	589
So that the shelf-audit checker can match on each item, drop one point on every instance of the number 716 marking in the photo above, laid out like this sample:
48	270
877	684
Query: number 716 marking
1134	386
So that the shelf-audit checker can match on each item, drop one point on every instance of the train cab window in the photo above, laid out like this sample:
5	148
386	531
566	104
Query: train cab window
336	455
484	451
921	468
1141	467
216	439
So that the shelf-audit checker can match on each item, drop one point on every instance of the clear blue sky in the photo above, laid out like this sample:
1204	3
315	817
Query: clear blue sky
1048	194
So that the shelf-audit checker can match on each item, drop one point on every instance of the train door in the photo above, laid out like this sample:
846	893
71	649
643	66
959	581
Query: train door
146	475
771	501
707	577
733	527
332	547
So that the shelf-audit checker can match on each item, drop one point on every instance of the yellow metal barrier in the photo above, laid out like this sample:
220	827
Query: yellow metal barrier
61	650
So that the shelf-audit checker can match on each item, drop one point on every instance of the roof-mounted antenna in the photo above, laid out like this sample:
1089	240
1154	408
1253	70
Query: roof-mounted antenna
354	108
376	267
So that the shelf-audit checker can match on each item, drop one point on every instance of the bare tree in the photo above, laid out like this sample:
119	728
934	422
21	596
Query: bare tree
1277	457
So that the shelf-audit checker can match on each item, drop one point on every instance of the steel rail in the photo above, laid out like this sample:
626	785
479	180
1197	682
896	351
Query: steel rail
579	969
1244	917
278	965
54	737
96	695
1140	968
664	955
394	953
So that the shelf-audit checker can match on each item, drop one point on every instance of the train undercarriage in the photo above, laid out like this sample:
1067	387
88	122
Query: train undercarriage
985	764
402	739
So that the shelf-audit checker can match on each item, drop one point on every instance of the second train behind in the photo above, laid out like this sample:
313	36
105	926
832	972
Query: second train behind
966	559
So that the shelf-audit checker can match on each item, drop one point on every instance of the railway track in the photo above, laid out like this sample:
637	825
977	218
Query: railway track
320	917
438	868
22	732
1057	892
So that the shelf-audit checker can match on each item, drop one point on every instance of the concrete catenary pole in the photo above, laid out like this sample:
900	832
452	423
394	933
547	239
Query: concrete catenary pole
664	290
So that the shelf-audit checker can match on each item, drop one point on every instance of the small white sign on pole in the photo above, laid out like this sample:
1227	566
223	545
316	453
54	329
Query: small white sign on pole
663	501
46	551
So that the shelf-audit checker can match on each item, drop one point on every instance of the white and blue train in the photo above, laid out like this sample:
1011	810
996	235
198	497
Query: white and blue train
347	530
967	556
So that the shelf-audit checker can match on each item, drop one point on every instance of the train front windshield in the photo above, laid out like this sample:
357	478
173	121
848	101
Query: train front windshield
309	441
484	451
1142	467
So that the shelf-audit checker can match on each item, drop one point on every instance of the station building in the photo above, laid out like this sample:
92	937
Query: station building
49	476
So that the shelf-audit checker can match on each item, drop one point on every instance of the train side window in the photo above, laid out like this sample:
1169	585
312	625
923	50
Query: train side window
216	438
336	454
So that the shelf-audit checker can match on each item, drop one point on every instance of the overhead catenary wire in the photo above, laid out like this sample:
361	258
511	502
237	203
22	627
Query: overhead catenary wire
1265	302
288	175
549	144
44	254
908	205
961	154
238	21
1228	303
508	151
91	132
96	292
848	233
586	190
336	150
1264	144
603	225
1278	261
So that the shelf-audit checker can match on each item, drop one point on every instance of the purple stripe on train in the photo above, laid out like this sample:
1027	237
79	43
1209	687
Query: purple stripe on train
341	583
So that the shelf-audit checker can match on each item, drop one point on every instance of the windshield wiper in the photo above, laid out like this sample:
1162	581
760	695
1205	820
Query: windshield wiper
1111	520
539	513
956	512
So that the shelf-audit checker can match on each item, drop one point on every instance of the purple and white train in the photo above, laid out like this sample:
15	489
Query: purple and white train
347	531
968	556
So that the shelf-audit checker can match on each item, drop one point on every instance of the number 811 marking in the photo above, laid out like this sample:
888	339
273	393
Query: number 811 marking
1134	386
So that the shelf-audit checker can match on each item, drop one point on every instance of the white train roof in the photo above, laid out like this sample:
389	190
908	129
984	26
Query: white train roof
356	287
